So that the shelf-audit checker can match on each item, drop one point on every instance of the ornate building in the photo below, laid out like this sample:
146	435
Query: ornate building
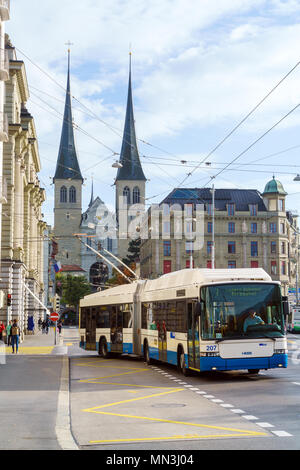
250	230
130	181
22	225
99	224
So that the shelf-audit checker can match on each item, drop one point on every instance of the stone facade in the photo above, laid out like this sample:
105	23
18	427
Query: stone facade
22	258
251	230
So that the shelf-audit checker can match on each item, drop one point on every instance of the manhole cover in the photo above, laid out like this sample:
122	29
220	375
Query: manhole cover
168	405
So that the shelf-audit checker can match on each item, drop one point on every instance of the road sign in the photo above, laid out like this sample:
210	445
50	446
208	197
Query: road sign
54	316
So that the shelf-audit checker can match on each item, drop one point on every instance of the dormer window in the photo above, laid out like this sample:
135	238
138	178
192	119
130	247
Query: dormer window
230	209
253	209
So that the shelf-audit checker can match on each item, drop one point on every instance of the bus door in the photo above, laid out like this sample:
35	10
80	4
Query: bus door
162	341
116	329
193	337
91	328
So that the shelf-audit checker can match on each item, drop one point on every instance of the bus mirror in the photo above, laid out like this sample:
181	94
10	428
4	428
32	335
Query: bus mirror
285	306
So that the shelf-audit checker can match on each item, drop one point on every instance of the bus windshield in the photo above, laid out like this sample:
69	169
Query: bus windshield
241	310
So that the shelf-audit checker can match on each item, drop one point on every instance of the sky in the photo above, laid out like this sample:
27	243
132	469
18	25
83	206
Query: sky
198	68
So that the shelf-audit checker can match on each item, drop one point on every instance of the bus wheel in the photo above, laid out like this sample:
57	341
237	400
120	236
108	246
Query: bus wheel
181	366
147	357
103	349
253	371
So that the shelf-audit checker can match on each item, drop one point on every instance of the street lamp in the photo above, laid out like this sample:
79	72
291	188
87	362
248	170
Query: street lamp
297	178
117	164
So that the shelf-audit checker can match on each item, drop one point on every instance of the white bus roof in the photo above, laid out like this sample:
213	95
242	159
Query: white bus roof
191	279
187	281
116	295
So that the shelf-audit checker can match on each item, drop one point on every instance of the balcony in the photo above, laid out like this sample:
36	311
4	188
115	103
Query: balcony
3	190
4	10
3	127
4	66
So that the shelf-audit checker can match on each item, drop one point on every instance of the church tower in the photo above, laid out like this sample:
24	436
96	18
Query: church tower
68	189
130	181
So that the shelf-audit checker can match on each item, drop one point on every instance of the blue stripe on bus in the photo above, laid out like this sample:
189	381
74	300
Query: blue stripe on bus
277	360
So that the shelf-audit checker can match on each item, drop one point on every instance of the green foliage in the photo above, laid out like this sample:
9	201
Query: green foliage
133	254
73	288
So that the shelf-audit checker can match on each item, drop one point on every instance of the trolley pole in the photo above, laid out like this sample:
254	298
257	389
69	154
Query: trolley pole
213	228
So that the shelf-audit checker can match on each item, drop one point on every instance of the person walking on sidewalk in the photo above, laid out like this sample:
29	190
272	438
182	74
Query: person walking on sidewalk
2	328
8	333
15	332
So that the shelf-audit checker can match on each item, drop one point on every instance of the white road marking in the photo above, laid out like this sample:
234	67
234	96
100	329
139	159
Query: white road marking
281	433
265	425
227	405
249	417
238	411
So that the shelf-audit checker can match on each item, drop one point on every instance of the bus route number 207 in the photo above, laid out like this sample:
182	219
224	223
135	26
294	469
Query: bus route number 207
212	347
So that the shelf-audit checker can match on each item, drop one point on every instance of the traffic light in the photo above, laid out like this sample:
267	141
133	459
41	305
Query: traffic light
8	300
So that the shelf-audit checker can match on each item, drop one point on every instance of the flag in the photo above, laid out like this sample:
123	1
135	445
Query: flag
57	266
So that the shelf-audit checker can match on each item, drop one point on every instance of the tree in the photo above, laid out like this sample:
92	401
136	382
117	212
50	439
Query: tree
73	288
117	279
133	255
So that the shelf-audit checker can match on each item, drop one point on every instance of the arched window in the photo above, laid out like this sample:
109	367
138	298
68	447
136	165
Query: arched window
72	194
63	194
126	194
136	198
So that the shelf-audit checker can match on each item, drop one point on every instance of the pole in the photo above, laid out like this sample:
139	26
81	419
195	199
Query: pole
213	228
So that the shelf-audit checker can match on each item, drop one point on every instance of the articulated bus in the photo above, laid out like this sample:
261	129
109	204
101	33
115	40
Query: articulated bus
196	319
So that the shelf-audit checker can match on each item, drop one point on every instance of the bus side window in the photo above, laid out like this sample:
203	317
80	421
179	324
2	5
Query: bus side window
83	318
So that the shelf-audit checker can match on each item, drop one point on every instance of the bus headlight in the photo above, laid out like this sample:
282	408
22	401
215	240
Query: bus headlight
280	351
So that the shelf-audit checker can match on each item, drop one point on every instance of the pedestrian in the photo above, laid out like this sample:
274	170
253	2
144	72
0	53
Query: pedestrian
15	332
8	333
40	324
43	326
47	324
2	328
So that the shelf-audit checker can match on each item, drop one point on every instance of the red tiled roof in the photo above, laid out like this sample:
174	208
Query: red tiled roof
71	268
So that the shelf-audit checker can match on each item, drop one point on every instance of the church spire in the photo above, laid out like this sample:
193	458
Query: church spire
67	163
92	194
131	165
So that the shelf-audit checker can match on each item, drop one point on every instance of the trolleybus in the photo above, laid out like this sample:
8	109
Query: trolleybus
196	319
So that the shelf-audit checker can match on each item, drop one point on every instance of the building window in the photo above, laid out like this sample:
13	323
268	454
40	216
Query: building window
231	264
188	208
189	227
167	266
209	247
231	247
188	263
254	249
136	198
282	227
209	209
167	248
273	227
68	215
281	205
273	267
254	264
209	227
283	267
72	194
253	209
231	227
230	209
189	248
283	248
209	264
63	194
273	247
109	244
254	228
126	195
166	228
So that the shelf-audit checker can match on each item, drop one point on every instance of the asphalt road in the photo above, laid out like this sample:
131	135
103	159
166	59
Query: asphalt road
53	401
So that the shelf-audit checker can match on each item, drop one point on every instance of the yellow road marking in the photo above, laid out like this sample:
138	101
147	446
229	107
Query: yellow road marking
196	436
113	375
110	366
32	350
92	410
161	420
95	381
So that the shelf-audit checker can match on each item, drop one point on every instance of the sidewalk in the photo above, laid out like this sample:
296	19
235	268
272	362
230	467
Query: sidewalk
40	344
